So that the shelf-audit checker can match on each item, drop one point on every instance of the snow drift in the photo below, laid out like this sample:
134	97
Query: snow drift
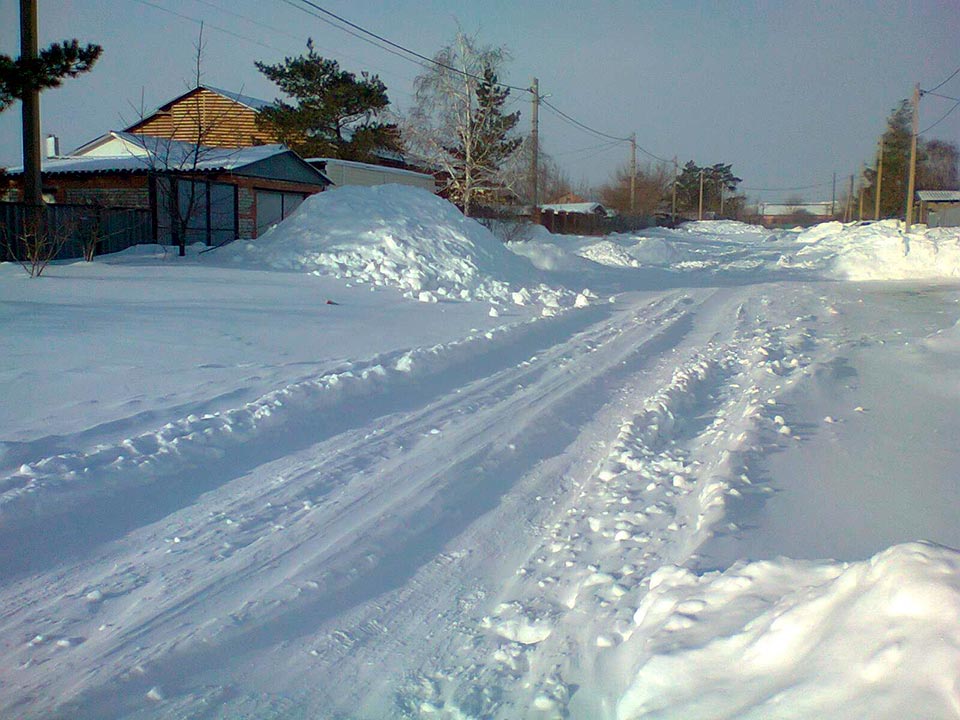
795	639
401	237
879	251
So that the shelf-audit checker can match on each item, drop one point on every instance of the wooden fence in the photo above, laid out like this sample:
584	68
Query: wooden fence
112	229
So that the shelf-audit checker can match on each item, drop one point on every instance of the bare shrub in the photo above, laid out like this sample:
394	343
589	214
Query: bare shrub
38	242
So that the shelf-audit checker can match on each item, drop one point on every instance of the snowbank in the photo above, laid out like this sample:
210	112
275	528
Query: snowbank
723	227
791	639
397	236
879	251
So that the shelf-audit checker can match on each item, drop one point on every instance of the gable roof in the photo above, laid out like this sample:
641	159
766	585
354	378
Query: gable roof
252	103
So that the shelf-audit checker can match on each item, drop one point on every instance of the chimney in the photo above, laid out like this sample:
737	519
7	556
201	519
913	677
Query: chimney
53	146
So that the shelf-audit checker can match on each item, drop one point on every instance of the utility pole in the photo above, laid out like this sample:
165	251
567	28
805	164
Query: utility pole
30	108
862	190
633	172
700	211
848	208
535	148
833	198
673	207
876	190
721	198
913	155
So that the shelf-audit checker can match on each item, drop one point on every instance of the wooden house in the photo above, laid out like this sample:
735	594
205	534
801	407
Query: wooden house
219	118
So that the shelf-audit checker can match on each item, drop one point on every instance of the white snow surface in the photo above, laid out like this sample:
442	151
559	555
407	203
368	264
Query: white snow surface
275	480
397	236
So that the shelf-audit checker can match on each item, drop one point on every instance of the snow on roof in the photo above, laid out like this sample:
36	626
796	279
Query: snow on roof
369	166
814	208
939	195
251	102
584	208
162	153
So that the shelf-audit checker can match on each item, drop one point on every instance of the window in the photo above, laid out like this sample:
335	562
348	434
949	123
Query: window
273	206
209	210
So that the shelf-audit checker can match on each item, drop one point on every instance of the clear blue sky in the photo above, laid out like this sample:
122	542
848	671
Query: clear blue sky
788	91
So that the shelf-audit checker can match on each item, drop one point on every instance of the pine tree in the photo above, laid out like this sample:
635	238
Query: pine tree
716	178
47	70
896	161
335	113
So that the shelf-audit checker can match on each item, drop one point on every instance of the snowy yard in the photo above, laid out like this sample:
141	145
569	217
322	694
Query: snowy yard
376	464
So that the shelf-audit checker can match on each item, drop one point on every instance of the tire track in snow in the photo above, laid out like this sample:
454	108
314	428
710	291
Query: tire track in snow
88	497
655	499
275	613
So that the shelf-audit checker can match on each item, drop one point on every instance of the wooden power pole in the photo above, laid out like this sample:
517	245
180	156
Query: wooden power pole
879	186
913	155
848	209
833	198
633	172
535	148
30	108
700	210
673	206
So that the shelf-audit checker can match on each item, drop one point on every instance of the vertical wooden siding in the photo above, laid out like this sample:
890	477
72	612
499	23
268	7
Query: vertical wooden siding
220	122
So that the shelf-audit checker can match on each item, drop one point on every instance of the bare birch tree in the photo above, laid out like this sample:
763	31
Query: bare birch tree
458	122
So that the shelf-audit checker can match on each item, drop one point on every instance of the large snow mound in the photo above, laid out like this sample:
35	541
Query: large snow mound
879	251
796	639
397	236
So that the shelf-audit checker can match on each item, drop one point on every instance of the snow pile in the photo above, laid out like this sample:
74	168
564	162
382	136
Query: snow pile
879	251
632	251
607	252
791	639
723	227
402	237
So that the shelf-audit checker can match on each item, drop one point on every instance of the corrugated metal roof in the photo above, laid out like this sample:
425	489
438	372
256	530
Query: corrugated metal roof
164	155
939	195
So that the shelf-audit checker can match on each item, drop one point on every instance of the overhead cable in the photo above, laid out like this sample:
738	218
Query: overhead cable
208	25
942	118
952	76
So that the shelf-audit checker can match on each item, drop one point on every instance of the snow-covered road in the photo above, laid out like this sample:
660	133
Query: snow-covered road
546	518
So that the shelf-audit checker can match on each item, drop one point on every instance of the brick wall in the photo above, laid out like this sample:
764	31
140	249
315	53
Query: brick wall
107	197
247	210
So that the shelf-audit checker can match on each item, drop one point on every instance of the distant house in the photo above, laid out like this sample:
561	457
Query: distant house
792	214
227	192
219	117
349	172
574	218
939	208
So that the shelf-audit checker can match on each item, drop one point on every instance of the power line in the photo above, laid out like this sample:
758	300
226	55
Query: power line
952	76
432	61
945	97
581	125
415	54
292	4
209	25
944	117
250	20
786	189
602	147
